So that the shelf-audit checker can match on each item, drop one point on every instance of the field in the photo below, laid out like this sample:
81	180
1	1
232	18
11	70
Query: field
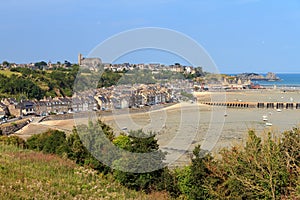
27	174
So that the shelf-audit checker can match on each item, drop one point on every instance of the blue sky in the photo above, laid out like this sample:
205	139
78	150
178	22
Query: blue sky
240	35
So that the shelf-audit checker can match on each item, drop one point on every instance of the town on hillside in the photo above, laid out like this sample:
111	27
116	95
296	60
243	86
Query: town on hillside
124	95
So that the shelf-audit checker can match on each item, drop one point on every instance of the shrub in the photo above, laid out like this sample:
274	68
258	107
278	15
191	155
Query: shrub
258	171
86	142
52	141
13	140
192	179
290	148
139	142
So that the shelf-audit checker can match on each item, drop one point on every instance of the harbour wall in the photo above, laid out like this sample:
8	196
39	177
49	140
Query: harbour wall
269	105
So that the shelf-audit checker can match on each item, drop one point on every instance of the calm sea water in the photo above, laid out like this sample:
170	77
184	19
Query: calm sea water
287	80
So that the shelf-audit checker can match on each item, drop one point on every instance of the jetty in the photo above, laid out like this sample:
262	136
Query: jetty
269	105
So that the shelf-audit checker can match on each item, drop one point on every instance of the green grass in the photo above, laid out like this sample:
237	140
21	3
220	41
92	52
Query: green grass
27	174
8	73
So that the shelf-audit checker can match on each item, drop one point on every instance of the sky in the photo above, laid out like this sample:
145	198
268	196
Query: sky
239	35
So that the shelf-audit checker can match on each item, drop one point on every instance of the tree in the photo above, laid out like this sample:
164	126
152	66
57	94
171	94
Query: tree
109	78
92	147
289	147
123	142
81	146
12	140
52	141
139	142
192	182
5	63
40	64
67	63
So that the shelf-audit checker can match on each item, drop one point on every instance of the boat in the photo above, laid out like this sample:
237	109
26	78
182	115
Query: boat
265	118
269	124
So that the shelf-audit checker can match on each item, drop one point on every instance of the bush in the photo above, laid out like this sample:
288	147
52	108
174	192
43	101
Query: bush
191	179
52	141
261	170
290	148
266	169
75	147
13	140
139	142
79	153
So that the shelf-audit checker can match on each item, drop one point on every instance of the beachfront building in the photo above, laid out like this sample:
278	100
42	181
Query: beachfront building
27	107
103	102
138	95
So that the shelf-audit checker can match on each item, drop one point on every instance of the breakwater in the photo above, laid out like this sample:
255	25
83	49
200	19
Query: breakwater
270	105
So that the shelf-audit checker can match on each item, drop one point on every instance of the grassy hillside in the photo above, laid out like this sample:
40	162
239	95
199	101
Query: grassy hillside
27	174
35	84
9	73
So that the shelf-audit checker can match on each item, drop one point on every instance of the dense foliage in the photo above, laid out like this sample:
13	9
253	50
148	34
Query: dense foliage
35	84
109	78
13	140
139	142
149	77
20	86
52	141
266	169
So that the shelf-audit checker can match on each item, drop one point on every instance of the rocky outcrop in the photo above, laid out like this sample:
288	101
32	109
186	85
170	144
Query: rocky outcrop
257	77
271	76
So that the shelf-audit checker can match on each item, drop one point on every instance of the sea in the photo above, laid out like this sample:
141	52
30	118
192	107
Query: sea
286	81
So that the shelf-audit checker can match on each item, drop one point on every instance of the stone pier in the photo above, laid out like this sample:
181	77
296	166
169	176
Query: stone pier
266	105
